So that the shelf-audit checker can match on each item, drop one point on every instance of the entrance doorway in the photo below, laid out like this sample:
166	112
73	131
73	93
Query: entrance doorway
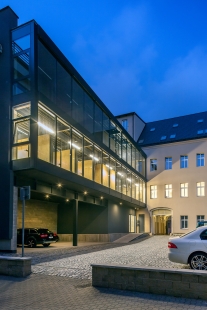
161	224
141	223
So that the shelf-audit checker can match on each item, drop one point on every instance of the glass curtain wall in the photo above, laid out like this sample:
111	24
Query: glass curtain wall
21	60
55	83
62	145
21	131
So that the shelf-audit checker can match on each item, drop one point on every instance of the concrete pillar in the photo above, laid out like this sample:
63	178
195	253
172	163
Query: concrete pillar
10	245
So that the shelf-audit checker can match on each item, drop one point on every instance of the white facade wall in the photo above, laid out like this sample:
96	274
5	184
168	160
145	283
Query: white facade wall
191	205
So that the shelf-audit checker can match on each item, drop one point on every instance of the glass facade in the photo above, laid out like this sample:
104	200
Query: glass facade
57	85
21	60
58	141
62	145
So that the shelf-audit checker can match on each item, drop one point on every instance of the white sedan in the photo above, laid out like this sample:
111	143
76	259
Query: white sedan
190	248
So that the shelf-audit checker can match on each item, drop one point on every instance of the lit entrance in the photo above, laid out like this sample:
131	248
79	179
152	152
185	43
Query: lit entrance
161	223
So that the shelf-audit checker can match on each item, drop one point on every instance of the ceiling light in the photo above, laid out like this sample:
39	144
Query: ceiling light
45	127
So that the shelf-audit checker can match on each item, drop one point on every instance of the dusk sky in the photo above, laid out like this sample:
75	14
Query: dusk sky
148	57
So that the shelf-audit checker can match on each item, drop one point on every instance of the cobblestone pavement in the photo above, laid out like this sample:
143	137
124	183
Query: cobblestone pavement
74	262
151	252
51	293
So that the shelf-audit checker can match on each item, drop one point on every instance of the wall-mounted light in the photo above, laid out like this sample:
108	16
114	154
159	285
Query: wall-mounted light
59	185
47	196
85	193
101	197
120	203
67	200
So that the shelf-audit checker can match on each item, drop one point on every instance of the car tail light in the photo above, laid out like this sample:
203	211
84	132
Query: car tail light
172	245
43	236
54	234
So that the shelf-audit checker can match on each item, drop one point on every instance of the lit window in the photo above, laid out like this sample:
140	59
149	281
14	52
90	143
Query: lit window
184	161
200	121
175	125
22	110
153	164
168	163
184	221
200	160
153	191
125	123
163	137
172	136
201	189
168	190
199	132
184	190
152	129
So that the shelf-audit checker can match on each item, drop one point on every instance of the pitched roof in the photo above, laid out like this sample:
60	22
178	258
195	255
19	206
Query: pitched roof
188	127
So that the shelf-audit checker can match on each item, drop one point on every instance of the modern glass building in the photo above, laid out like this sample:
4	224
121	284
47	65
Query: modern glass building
87	175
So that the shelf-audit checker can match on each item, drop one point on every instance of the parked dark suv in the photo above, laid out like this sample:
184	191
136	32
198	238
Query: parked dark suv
34	236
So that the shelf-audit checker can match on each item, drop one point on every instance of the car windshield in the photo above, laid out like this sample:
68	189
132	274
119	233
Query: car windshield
187	233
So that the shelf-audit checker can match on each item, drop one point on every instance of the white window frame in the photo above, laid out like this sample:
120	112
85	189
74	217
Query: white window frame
199	158
168	190
184	160
153	164
200	218
184	190
184	220
168	162
200	189
153	191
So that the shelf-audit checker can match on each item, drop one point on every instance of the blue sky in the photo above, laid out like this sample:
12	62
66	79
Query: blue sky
148	57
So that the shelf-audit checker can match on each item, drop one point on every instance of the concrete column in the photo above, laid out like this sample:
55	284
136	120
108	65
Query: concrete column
10	245
75	222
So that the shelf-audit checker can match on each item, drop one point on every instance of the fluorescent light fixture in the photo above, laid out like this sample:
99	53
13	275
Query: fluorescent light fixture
109	167
136	184
22	131
120	174
74	145
95	158
45	127
129	180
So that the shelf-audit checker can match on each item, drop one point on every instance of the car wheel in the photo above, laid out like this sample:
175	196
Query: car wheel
46	244
198	261
31	243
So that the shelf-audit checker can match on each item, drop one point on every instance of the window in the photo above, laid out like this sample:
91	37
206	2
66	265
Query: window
175	125
200	160
200	121
199	132
201	189
153	164
163	138
168	191
153	191
184	190
184	161
200	218
184	221
125	123
172	136
168	163
152	129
